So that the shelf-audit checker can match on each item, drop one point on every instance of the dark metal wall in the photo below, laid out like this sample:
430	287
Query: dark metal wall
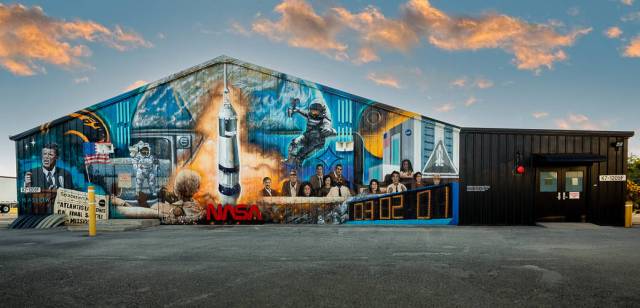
487	157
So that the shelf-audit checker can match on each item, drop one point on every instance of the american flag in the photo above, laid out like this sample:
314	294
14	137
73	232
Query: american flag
97	153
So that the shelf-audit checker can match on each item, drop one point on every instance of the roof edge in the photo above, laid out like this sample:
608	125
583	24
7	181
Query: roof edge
521	131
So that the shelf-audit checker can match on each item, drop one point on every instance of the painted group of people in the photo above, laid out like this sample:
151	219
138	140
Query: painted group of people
399	180
335	185
319	185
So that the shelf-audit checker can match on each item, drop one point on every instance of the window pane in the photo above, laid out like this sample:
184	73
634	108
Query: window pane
395	150
573	181
548	181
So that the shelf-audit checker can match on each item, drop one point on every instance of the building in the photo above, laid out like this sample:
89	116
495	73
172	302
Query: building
176	148
8	197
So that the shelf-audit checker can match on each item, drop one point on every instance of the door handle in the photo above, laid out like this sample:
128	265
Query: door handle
564	195
559	193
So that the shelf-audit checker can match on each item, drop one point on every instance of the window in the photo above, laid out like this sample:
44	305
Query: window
395	150
573	181
548	181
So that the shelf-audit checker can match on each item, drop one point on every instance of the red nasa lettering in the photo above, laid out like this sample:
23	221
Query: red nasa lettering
240	212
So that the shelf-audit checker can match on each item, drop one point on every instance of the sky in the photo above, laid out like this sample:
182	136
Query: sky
517	64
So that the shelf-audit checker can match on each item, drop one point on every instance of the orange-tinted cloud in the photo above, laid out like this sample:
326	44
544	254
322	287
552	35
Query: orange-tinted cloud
633	49
579	121
479	82
627	2
534	46
613	32
366	55
460	82
384	80
482	83
301	27
376	31
136	84
29	38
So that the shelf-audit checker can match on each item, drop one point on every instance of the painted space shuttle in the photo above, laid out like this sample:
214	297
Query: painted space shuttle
228	158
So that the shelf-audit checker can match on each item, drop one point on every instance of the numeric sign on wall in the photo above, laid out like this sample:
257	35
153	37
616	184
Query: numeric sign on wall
613	178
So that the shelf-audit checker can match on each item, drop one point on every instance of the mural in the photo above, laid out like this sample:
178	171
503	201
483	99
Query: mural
235	143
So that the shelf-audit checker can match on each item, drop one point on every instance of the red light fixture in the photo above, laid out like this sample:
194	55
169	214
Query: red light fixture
518	166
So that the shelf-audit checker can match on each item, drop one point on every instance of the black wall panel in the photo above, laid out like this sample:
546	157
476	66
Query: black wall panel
487	157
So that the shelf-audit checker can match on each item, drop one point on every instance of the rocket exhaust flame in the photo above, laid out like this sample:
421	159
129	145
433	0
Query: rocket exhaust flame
256	163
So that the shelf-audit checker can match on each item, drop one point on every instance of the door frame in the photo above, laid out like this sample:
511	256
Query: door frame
587	211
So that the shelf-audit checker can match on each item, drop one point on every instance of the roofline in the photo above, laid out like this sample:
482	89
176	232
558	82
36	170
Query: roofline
222	60
7	177
526	131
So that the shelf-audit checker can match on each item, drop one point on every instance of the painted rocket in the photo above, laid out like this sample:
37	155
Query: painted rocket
228	159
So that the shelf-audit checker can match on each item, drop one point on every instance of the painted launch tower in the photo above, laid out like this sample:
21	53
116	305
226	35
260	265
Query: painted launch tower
228	158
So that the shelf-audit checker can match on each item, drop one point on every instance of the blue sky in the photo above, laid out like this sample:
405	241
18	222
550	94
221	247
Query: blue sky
549	64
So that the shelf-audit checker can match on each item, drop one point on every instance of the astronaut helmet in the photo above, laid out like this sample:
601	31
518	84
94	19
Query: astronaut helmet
145	151
317	109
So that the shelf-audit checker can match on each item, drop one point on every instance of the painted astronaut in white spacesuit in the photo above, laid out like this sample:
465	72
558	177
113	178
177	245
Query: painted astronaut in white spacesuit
145	166
318	128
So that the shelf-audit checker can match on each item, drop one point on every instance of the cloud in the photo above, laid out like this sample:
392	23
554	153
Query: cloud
384	80
445	107
633	49
29	38
573	11
563	124
627	2
136	84
470	101
534	45
478	82
579	121
634	16
578	118
376	31
459	83
613	32
80	80
366	55
539	115
301	27
482	83
237	28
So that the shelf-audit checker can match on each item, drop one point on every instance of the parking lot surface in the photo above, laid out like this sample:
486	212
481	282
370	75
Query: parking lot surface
302	266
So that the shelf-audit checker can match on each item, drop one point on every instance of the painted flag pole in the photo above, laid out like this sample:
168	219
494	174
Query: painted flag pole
91	195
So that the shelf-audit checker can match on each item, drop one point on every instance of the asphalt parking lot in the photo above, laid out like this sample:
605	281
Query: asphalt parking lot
301	266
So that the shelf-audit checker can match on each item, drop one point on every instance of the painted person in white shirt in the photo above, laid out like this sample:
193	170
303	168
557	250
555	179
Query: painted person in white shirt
396	186
339	190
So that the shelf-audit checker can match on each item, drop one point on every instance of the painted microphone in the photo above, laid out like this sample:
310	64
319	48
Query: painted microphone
228	159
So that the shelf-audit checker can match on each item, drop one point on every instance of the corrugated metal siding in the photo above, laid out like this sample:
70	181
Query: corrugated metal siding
488	158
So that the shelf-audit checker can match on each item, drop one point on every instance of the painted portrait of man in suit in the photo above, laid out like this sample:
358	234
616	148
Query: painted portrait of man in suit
49	176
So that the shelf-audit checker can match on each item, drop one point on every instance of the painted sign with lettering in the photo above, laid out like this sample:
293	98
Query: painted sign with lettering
73	204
